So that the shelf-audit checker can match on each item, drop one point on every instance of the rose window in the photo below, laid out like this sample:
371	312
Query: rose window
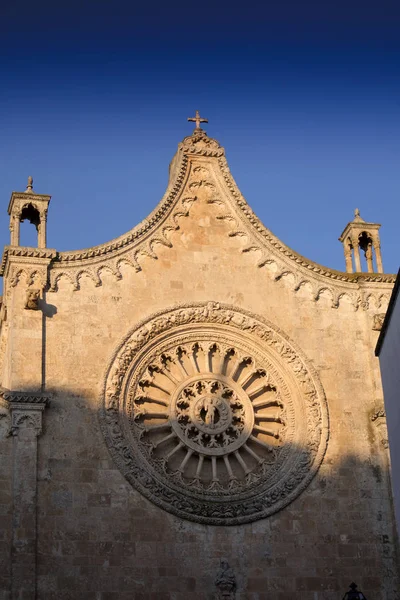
213	414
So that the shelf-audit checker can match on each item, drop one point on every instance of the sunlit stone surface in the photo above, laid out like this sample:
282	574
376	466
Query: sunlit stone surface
192	410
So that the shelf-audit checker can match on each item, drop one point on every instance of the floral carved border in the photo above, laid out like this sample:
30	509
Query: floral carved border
242	507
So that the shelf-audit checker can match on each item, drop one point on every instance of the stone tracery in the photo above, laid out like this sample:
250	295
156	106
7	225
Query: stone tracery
212	414
220	418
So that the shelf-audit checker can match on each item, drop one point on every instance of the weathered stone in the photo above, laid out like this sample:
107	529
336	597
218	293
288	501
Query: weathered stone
203	323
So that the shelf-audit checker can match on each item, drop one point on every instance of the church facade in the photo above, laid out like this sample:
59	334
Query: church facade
192	410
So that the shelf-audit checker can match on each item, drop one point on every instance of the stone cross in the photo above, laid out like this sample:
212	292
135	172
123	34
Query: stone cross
197	119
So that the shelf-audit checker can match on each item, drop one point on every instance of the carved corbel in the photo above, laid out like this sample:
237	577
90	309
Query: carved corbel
26	410
378	321
32	298
378	418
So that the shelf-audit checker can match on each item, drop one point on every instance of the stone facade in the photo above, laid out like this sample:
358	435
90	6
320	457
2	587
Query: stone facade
188	410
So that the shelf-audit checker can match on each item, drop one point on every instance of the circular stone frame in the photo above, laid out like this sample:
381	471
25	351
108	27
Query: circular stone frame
305	434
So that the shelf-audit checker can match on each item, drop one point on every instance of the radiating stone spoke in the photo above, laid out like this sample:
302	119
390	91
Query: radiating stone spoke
235	367
167	373
245	379
265	401
252	453
271	418
158	427
193	361
261	443
179	353
242	463
174	450
258	389
222	356
206	357
228	467
199	466
160	387
164	439
185	460
152	399
266	431
154	415
214	468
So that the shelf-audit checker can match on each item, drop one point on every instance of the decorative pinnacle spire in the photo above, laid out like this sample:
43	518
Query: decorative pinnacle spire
29	187
197	119
357	217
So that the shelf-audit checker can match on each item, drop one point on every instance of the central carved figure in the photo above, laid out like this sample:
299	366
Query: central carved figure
212	414
209	413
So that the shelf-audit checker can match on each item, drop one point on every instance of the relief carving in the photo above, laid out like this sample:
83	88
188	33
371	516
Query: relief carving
225	582
26	410
218	405
216	186
378	418
378	321
32	298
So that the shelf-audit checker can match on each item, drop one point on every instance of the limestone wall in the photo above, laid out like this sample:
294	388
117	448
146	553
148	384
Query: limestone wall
98	537
5	502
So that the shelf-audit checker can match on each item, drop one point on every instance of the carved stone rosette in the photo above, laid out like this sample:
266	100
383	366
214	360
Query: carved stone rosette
213	414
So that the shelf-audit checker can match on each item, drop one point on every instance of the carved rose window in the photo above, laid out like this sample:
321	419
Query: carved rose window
213	415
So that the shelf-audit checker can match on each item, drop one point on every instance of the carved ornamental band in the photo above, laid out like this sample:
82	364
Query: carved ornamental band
212	414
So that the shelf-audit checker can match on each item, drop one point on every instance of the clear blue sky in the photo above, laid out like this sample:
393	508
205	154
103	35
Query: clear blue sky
305	97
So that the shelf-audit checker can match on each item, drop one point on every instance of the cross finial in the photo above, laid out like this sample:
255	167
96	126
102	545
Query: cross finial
197	119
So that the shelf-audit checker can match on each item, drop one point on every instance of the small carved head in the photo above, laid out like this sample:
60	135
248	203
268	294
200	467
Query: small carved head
32	298
224	564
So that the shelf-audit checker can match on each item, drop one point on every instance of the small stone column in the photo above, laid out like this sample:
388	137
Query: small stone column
368	256
14	229
42	227
26	425
356	250
348	258
378	255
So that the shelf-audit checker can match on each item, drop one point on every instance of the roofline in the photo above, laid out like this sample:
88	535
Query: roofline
388	315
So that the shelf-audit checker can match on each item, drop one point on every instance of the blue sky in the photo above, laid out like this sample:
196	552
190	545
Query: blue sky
305	97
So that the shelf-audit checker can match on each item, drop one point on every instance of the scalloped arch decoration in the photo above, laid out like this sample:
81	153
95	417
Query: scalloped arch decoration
199	173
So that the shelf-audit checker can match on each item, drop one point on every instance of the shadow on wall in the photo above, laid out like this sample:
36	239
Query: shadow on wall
100	539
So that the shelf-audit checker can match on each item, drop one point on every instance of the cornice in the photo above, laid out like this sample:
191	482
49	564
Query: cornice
274	241
27	198
25	252
23	398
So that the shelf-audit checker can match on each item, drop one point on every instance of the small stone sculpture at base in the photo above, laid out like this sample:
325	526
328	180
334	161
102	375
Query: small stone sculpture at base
225	582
